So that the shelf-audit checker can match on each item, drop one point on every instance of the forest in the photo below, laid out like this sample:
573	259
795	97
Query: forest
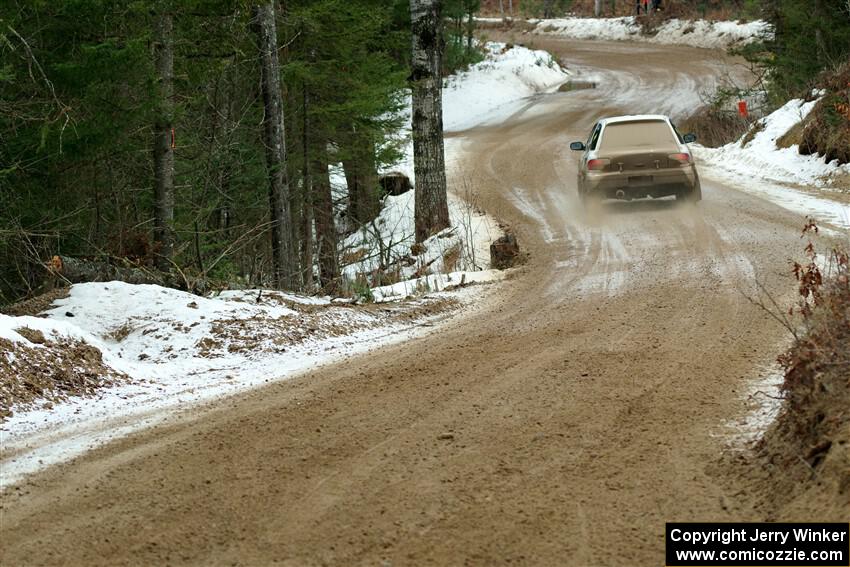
134	135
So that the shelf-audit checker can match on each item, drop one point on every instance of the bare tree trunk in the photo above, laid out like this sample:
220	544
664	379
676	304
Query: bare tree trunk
163	152
275	143
511	8
431	209
597	8
326	237
501	8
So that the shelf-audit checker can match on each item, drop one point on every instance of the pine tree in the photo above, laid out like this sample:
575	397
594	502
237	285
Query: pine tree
89	109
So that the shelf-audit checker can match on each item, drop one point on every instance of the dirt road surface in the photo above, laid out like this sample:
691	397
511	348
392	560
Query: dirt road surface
561	423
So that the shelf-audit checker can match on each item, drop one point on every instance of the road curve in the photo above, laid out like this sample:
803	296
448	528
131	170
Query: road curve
560	424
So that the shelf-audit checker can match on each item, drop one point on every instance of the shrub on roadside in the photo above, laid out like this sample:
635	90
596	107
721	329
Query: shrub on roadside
808	448
715	127
828	129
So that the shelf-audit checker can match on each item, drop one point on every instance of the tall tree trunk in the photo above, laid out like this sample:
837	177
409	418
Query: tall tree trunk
470	28
597	8
361	176
307	201
431	209
275	143
326	237
820	44
501	7
163	152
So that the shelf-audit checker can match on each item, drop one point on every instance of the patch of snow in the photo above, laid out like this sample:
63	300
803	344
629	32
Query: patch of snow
7	329
763	402
389	239
433	283
782	172
694	33
495	88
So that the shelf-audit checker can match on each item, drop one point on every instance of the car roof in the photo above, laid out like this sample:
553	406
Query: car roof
634	118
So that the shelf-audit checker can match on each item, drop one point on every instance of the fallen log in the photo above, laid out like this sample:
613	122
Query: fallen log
79	270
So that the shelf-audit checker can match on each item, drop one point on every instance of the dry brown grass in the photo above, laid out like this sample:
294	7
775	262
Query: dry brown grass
34	336
793	137
121	332
45	371
353	256
808	448
35	305
751	133
828	130
451	257
715	127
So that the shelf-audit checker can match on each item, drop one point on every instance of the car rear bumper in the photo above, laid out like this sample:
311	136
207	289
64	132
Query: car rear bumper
632	185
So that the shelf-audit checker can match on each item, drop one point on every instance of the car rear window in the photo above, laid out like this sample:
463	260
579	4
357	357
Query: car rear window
638	134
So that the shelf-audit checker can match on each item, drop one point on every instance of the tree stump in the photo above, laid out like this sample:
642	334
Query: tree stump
504	252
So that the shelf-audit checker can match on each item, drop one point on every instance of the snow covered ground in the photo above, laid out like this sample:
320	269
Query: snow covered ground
800	183
497	87
176	350
762	398
694	33
169	351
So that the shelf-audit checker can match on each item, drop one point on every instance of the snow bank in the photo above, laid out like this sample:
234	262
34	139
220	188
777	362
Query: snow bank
798	182
694	33
778	165
490	90
57	330
177	350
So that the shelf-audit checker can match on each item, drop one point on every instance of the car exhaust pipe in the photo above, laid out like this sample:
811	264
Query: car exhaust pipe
620	194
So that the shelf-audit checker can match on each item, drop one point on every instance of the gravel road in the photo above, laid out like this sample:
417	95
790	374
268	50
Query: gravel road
562	422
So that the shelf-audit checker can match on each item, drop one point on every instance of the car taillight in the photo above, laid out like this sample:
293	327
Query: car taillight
597	164
683	158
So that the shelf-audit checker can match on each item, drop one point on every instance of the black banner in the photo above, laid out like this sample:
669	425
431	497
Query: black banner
758	544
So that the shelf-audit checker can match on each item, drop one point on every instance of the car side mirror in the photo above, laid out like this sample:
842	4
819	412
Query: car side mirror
577	146
688	138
